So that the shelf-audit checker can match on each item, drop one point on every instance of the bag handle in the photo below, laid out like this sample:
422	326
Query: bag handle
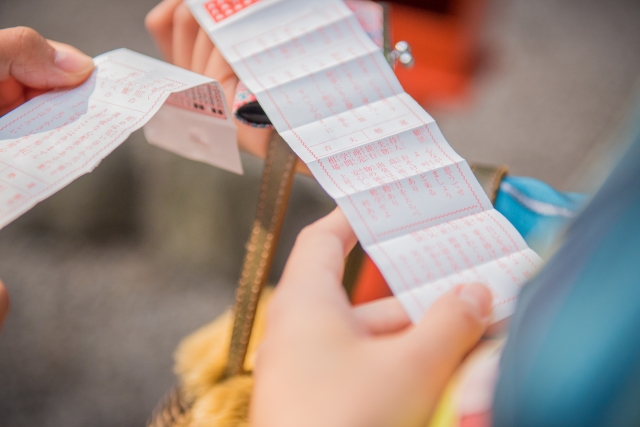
277	179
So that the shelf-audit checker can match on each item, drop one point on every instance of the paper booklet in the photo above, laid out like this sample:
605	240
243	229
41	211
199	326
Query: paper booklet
55	138
414	203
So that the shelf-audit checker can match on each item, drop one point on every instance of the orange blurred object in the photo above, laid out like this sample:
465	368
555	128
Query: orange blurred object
445	43
370	285
445	46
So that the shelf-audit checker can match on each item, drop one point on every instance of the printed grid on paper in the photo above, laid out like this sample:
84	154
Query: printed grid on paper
222	9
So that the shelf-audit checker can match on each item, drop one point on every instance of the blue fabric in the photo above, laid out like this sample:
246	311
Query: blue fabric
539	229
573	353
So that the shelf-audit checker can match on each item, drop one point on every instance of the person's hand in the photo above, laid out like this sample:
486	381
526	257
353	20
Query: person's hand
326	363
4	304
183	43
30	65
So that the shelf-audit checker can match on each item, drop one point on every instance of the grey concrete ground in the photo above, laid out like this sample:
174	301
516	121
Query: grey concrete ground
110	273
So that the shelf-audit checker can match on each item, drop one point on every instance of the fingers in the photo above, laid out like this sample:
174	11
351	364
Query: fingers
217	68
450	328
201	52
159	23
28	58
185	32
336	225
383	316
310	295
4	303
12	95
183	43
317	258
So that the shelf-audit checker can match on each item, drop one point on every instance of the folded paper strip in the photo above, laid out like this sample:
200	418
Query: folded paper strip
411	199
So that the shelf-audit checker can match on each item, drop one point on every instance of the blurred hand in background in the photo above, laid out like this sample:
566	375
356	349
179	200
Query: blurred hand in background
183	43
326	363
31	65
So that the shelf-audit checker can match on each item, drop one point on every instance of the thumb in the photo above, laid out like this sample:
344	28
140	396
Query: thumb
34	62
449	330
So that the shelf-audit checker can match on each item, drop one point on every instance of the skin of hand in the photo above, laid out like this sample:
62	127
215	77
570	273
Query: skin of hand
326	363
183	43
31	65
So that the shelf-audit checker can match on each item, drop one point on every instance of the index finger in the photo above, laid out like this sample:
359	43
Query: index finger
317	258
159	23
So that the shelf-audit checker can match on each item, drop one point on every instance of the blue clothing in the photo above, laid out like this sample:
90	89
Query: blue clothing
573	353
536	210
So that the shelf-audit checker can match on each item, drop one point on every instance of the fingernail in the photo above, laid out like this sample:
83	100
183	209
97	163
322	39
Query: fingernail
478	298
72	62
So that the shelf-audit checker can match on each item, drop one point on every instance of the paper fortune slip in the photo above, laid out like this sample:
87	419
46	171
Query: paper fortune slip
53	139
413	202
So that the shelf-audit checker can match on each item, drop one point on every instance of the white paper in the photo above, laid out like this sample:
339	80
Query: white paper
197	124
413	202
55	138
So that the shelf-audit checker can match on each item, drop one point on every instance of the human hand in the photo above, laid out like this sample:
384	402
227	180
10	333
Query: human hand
183	43
326	363
4	304
31	65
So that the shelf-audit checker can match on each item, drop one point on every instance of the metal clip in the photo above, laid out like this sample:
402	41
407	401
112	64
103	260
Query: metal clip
401	54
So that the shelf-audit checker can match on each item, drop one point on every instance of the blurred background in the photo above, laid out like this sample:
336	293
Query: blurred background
109	274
